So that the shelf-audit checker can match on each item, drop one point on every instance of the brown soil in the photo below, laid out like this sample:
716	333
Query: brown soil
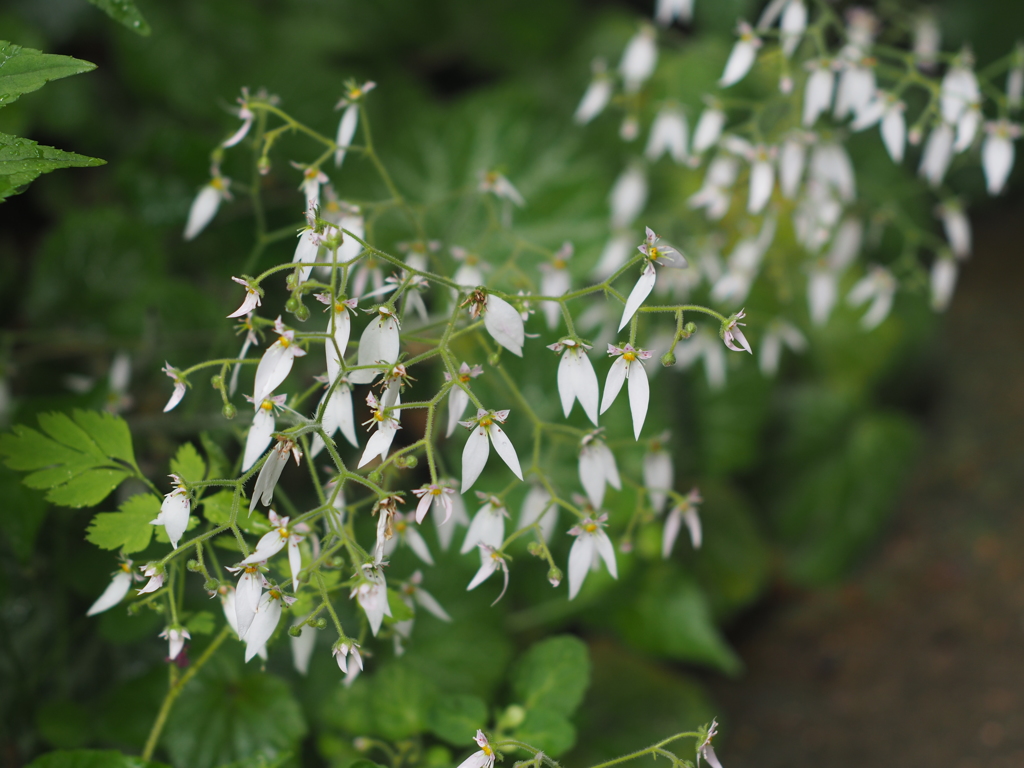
919	659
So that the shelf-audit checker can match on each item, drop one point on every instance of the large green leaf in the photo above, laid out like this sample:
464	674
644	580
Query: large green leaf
78	460
22	161
23	70
126	13
232	713
188	464
91	758
456	716
553	675
130	528
547	730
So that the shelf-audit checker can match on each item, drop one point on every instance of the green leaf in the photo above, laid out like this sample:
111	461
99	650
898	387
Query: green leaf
399	610
217	509
231	713
78	461
23	70
126	13
27	510
219	464
130	528
457	715
402	701
91	758
23	160
553	674
547	730
188	464
201	623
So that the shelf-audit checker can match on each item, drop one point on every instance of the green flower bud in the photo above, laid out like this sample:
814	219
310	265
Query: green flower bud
229	411
292	304
302	313
555	576
217	382
294	631
669	358
193	565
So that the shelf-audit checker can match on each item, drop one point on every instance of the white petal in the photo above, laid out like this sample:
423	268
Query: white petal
203	209
822	289
427	600
273	368
628	197
741	59
658	478
379	444
246	599
268	613
266	480
958	229
346	130
418	545
966	129
792	26
506	450
636	297
488	527
305	253
505	324
594	100
294	560
639	396
943	281
113	594
607	552
474	457
692	520
894	134
792	158
673	523
591	474
174	512
335	350
613	383
818	94
259	437
771	351
379	342
487	567
302	649
227	603
638	60
580	557
457	402
269	545
997	162
938	151
762	180
611	471
585	383
709	128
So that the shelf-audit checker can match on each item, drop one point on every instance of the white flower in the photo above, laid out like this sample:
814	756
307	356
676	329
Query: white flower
252	298
856	88
831	166
662	256
592	545
341	653
818	91
247	117
500	187
446	531
474	455
408	535
684	512
378	346
504	324
423	598
658	473
174	512
340	329
669	133
708	130
488	526
792	26
115	591
792	160
155	576
458	399
338	415
205	206
434	495
628	196
179	386
555	280
349	118
823	283
879	287
705	750
596	468
273	542
597	95
372	596
733	336
762	178
538	508
270	472
894	131
176	637
956	226
482	759
576	377
667	11
261	432
779	333
628	367
997	153
638	60
742	57
491	560
943	282
959	90
967	128
276	363
245	598
937	154
268	614
380	441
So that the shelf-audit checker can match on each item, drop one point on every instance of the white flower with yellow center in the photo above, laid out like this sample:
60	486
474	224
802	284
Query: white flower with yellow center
592	545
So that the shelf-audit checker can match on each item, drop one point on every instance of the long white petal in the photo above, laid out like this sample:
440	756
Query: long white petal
692	520
259	437
741	59
585	383
175	514
268	613
594	100
628	197
273	368
505	449
894	134
639	396
566	388
997	162
379	444
613	383
294	560
246	600
580	557
457	402
487	567
762	180
504	324
938	151
611	471
640	292
203	209
607	552
591	474
113	594
792	159
335	350
488	527
428	601
346	130
709	128
302	649
658	478
474	457
269	545
673	524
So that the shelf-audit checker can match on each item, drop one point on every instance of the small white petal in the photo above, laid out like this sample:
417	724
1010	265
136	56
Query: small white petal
113	594
302	649
943	282
638	60
457	402
269	545
762	180
379	443
708	130
418	545
792	159
273	368
658	478
488	566
594	100
429	603
997	161
673	524
792	26
246	599
488	527
607	552
894	134
937	154
174	515
628	197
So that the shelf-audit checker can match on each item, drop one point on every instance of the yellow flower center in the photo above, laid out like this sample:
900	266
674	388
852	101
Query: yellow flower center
126	568
400	526
435	491
590	527
284	341
486	422
465	378
559	264
487	750
310	173
629	357
218	183
282	532
266	405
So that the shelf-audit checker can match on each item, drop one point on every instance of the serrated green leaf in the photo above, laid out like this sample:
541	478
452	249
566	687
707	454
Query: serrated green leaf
201	623
457	715
23	160
130	528
109	432
188	464
553	674
78	461
88	488
23	70
91	758
549	731
126	13
215	456
230	713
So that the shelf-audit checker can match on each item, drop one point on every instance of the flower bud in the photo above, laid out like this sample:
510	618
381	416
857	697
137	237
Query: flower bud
535	548
193	565
669	358
512	717
263	165
229	411
626	546
292	305
375	477
294	631
320	623
302	313
494	359
689	329
411	462
555	576
211	585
